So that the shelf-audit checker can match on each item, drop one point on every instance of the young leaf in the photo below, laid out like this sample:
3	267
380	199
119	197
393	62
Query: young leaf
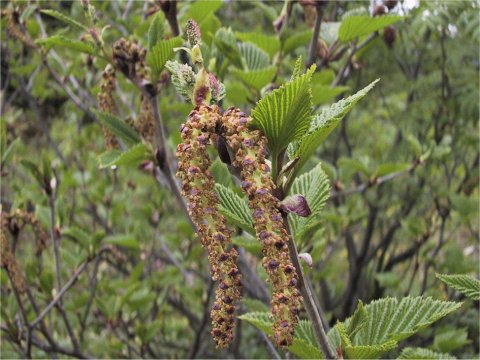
64	42
322	125
156	30
393	320
9	151
119	127
235	208
160	53
248	243
268	43
132	156
225	41
254	57
256	78
358	320
315	186
467	285
284	115
64	18
355	26
421	353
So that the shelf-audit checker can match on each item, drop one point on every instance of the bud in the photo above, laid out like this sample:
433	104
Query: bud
296	204
307	258
389	36
196	55
390	4
193	33
201	91
379	10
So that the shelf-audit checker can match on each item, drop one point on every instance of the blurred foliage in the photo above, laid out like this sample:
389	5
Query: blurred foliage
403	167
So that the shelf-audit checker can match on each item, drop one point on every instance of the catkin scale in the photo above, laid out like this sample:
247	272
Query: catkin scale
106	103
249	148
198	187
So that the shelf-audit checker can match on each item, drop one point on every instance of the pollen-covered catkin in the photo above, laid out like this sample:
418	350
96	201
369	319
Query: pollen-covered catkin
249	148
8	261
106	103
198	188
146	121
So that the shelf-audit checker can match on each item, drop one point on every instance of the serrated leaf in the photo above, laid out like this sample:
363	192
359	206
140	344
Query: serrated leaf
132	156
304	343
268	43
64	18
392	320
315	186
118	127
357	321
127	241
256	78
323	124
160	54
156	30
284	115
467	285
235	208
225	41
254	57
298	39
389	168
412	353
369	351
360	25
67	43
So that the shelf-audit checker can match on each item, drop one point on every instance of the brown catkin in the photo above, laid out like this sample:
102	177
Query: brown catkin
9	263
106	103
146	121
198	186
249	148
15	30
130	58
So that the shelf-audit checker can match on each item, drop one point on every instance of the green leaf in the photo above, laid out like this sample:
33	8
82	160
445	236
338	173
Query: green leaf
284	115
67	43
235	208
323	124
127	241
450	339
358	320
390	320
315	186
467	285
298	39
119	127
132	156
304	343
156	30
256	78
160	54
268	43
355	26
64	18
32	168
411	353
389	168
201	9
369	351
225	41
9	151
254	57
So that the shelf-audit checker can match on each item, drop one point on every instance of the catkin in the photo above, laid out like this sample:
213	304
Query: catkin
106	103
198	188
249	148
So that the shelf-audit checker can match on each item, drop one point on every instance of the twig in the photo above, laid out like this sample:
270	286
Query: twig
206	313
312	49
62	291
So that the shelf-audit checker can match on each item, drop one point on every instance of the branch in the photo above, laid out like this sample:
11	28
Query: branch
312	49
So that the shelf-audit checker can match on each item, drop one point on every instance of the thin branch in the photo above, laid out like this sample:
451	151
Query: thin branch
312	49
